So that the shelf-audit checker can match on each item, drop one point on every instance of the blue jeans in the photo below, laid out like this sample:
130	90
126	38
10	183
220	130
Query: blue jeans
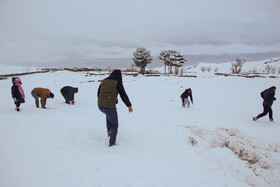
36	99
111	123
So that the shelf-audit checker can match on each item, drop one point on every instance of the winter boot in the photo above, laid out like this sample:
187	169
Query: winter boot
254	118
271	119
17	109
111	144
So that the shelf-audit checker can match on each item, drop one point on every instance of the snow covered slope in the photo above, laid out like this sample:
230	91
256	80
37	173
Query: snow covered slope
248	67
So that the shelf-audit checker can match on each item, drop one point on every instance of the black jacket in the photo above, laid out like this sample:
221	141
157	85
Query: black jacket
187	93
68	92
268	97
16	93
109	89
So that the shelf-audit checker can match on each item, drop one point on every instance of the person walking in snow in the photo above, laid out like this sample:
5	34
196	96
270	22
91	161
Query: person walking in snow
68	94
43	93
185	97
268	98
107	94
17	92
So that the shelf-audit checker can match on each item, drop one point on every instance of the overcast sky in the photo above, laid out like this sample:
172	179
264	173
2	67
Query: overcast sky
47	31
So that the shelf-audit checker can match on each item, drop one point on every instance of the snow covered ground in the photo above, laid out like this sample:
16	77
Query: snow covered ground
212	143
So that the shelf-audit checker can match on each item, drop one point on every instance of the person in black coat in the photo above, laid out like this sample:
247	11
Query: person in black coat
17	92
268	98
185	97
68	93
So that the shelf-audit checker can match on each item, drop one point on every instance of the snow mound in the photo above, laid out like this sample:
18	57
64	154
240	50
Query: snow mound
262	158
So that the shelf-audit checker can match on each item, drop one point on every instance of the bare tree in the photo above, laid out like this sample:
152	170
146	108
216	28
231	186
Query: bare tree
236	66
267	69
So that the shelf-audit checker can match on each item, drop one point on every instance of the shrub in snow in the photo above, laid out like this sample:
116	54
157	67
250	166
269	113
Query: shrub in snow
203	69
254	70
142	57
182	71
270	69
131	69
273	70
236	66
216	69
192	141
209	69
152	72
267	69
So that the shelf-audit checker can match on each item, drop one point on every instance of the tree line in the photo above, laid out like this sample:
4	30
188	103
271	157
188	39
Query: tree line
171	58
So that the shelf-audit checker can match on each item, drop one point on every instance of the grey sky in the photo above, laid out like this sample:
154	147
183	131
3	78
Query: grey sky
50	31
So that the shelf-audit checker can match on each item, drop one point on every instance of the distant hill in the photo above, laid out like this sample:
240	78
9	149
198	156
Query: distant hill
5	69
248	67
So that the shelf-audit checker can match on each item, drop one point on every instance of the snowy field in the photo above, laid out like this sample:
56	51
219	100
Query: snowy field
212	143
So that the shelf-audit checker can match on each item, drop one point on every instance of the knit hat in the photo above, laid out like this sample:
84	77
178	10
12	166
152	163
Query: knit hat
51	95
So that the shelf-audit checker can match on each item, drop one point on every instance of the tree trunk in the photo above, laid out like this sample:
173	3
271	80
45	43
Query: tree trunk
170	69
176	70
142	70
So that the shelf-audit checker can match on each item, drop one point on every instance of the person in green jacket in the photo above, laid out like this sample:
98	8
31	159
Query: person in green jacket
107	94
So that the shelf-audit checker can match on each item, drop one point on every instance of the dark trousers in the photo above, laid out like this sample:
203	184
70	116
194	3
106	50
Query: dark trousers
111	123
266	110
66	97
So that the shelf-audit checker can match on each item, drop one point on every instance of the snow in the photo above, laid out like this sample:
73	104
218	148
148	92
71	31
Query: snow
212	143
257	66
5	69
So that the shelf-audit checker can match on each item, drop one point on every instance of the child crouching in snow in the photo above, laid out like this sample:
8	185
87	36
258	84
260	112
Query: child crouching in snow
185	97
17	92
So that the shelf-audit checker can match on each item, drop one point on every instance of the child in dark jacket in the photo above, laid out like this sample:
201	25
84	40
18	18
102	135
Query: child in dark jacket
268	98
185	97
17	92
